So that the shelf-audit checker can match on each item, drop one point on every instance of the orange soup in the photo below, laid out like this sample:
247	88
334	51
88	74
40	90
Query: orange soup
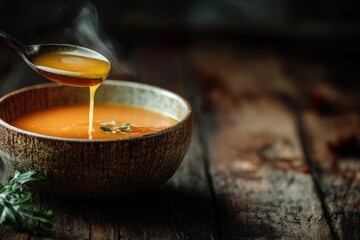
72	121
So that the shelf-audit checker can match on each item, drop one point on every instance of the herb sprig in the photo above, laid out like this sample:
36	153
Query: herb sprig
17	206
111	127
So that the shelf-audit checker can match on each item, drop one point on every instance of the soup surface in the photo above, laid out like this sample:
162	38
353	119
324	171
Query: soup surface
72	121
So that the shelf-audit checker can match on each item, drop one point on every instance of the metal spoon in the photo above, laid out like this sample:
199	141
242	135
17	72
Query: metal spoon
30	52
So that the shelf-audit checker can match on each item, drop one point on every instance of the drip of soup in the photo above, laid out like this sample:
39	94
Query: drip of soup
72	121
74	69
91	110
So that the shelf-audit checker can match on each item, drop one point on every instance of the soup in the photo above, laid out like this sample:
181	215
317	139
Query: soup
74	69
72	121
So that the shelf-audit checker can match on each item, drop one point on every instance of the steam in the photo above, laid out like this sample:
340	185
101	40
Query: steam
88	32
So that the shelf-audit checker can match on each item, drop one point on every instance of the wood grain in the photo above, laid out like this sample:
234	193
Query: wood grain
330	132
8	232
257	164
258	174
334	149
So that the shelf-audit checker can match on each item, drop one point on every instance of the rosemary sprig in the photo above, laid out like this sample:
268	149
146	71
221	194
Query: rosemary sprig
111	128
17	206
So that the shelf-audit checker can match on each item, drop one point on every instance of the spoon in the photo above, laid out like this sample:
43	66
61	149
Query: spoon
63	63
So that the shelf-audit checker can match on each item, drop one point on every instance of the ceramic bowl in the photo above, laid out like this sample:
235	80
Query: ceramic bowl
95	168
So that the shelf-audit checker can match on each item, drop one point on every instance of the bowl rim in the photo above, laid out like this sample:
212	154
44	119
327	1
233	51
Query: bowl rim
106	82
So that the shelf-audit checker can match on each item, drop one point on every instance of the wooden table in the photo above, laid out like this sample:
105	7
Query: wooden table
275	152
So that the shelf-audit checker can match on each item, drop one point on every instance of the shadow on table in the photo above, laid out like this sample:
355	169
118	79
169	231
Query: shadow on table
168	212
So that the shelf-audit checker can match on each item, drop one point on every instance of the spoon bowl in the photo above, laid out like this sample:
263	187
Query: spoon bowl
70	56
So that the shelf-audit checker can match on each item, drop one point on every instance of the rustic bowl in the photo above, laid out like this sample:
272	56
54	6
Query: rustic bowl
95	168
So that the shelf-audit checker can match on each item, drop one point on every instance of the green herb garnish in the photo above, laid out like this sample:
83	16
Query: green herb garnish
107	130
111	128
17	206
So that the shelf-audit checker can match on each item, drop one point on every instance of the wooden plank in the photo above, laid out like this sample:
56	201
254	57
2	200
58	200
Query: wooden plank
9	233
259	175
330	124
71	217
334	149
259	172
104	222
241	71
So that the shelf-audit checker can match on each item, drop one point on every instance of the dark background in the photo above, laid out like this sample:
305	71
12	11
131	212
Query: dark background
305	21
327	30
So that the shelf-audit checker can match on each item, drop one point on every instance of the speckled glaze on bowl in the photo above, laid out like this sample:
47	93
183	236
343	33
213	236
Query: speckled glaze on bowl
96	168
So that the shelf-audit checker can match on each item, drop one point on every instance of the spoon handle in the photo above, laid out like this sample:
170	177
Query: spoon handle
14	43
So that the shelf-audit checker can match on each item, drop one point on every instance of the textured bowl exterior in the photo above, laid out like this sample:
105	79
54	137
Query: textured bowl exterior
96	168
